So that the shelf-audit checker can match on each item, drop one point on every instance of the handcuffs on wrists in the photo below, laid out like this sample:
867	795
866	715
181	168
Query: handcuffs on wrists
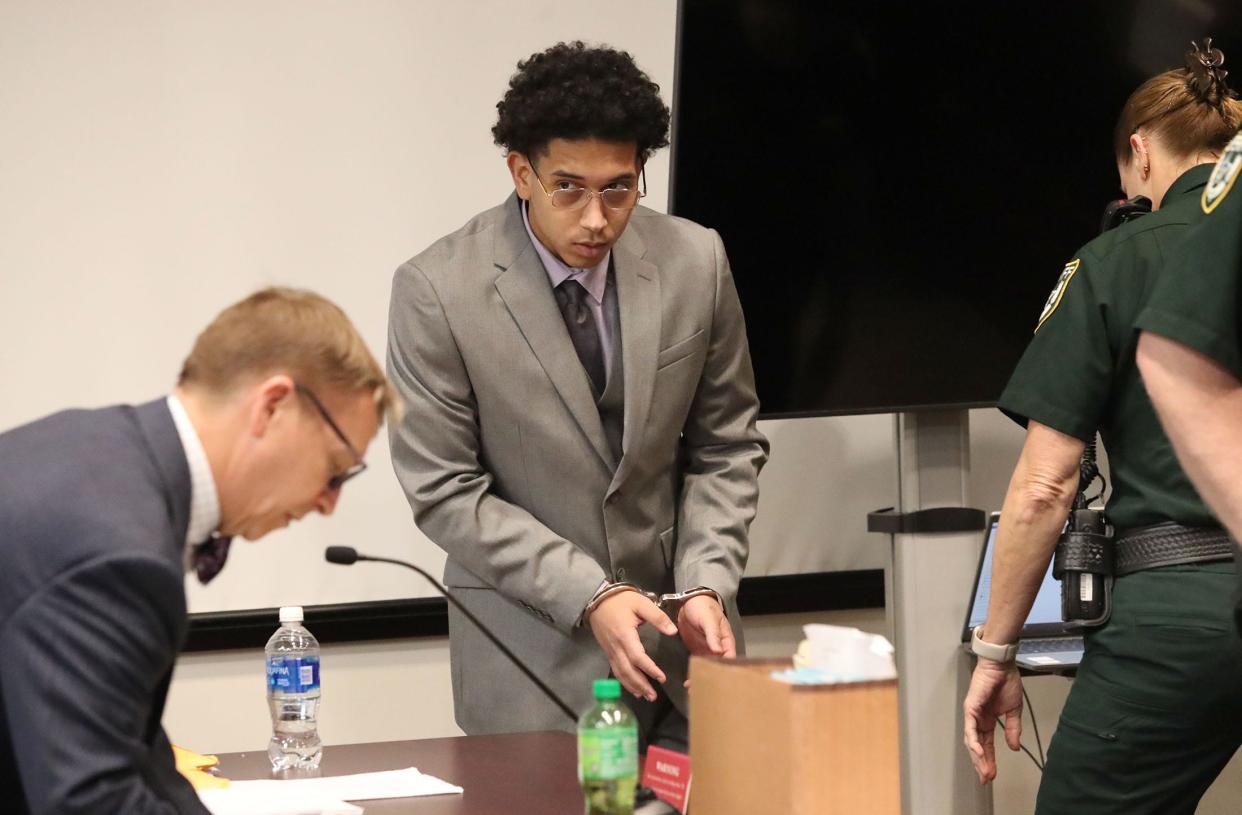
670	603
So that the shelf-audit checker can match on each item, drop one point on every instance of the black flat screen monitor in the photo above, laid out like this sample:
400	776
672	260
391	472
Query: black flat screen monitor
898	185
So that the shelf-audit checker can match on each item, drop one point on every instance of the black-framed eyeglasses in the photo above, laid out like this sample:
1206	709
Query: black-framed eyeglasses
618	198
336	481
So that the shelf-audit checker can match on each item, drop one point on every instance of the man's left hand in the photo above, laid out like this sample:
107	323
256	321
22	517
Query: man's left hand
705	629
995	692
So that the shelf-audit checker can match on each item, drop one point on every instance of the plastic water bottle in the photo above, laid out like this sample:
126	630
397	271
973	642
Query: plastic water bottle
293	694
608	752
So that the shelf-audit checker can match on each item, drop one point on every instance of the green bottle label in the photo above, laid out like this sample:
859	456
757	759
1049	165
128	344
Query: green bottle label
608	754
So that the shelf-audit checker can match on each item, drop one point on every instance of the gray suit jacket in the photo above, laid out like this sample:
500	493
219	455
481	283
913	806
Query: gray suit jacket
94	507
505	462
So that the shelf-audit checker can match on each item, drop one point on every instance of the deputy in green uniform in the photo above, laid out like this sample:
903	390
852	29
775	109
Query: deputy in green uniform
1190	352
1155	711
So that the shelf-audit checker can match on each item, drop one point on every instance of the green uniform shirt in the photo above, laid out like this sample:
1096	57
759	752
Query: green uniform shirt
1078	375
1196	301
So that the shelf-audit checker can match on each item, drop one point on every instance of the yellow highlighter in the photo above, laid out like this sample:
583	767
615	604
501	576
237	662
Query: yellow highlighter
194	767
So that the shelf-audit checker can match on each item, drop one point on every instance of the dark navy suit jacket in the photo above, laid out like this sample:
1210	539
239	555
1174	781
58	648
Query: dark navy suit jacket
94	507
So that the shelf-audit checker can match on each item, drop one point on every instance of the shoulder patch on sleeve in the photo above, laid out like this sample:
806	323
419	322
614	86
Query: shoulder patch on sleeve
1058	290
1223	175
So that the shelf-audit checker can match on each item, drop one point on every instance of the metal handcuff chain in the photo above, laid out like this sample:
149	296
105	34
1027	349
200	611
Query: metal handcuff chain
670	603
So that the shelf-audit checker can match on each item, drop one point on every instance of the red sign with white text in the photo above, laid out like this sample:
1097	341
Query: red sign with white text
668	774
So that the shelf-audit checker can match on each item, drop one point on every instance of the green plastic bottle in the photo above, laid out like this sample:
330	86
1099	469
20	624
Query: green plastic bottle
608	752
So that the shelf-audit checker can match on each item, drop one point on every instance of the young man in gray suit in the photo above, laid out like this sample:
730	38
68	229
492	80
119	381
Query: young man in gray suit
102	512
581	433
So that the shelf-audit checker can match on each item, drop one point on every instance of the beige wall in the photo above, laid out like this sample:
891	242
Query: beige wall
163	158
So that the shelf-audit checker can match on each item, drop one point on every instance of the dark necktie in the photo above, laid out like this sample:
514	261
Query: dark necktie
571	297
209	557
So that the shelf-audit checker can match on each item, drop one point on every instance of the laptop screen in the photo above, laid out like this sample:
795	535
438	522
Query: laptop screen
1047	607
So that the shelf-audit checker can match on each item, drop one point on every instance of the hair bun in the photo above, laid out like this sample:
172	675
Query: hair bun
1207	76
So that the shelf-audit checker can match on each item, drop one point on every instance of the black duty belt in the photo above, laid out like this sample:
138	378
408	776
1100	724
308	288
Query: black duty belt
1169	544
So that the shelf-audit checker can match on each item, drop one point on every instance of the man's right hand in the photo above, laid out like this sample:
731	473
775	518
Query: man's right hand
995	691
615	622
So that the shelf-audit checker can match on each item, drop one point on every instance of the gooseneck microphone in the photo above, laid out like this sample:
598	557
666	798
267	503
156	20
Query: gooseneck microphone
348	555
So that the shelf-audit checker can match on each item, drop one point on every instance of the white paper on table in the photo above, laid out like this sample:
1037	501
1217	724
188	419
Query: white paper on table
261	798
292	796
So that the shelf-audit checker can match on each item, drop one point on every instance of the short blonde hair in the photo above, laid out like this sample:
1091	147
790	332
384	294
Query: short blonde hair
287	330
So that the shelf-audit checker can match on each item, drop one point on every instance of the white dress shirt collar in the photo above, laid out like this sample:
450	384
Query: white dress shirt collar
204	501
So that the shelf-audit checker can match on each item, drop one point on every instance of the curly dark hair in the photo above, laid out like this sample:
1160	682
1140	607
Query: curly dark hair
574	92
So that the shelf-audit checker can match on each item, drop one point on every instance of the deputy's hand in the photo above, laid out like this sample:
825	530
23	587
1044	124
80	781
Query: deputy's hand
615	623
995	691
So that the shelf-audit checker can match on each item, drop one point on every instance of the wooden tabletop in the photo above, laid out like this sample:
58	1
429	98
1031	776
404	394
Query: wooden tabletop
526	773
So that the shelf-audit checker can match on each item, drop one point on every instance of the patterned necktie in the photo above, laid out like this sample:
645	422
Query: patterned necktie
571	297
209	557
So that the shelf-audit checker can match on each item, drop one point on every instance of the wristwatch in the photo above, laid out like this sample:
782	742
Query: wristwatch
992	651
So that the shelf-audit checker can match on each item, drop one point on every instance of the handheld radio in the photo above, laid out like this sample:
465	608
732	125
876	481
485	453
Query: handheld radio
1084	556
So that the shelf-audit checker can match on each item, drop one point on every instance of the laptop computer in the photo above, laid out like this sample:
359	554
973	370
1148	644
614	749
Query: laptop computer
1045	644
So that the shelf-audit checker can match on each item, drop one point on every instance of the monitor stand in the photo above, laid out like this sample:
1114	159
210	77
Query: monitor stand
928	579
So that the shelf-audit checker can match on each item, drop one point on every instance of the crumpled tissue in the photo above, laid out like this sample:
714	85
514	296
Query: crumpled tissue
835	653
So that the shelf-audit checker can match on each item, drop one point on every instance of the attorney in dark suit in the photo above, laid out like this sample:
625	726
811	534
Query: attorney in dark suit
582	411
102	512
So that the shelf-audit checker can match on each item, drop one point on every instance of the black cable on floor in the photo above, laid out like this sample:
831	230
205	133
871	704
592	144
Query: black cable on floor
1038	762
1000	726
1035	726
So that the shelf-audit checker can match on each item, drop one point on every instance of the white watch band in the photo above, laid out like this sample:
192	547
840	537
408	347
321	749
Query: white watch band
992	651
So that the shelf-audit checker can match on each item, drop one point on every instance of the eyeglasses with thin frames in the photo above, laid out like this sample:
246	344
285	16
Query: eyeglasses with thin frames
617	198
336	481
